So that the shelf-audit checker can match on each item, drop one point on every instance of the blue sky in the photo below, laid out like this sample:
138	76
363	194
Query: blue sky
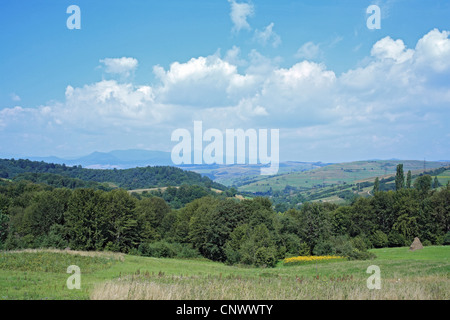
137	70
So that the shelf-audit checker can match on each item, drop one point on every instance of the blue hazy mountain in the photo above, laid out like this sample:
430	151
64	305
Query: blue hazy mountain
122	159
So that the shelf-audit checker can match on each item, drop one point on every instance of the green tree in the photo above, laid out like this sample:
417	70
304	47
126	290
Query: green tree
150	213
379	239
376	185
259	249
87	220
436	183
399	177
47	209
423	184
314	221
4	221
239	236
408	179
122	221
382	205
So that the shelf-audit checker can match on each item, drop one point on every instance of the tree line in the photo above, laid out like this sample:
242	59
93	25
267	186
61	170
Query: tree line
135	178
218	227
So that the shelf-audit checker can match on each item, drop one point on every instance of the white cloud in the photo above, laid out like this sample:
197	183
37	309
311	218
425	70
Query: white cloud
123	66
309	51
398	96
387	48
15	97
201	82
239	14
433	50
233	57
268	36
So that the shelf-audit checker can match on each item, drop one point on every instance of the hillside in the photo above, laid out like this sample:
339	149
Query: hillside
336	175
242	174
423	274
135	178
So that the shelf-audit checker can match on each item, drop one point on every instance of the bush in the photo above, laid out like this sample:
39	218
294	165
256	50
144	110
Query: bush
395	239
185	251
304	250
233	256
292	243
446	241
323	248
356	254
361	243
159	249
164	249
55	238
344	247
111	246
265	257
379	239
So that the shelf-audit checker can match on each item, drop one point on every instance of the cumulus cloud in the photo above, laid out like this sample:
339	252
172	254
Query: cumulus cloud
268	36
309	51
239	14
387	48
233	56
15	97
434	50
202	82
386	104
122	66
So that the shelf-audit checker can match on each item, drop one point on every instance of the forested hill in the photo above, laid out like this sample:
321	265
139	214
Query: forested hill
136	178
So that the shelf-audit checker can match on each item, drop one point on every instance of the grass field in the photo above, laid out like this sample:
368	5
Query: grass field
41	274
338	174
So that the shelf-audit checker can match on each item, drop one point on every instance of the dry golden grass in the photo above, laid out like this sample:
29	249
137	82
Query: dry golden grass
216	288
105	254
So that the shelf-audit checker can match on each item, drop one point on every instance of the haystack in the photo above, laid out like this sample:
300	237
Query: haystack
416	245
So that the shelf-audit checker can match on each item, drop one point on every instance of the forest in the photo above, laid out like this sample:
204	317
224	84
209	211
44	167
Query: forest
135	178
193	221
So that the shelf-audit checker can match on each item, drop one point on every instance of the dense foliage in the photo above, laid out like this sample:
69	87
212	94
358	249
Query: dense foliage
135	178
178	197
216	227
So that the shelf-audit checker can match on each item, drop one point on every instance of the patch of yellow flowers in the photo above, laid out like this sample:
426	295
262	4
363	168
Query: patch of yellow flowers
301	259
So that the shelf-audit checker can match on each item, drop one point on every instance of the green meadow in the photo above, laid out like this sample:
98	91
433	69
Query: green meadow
42	274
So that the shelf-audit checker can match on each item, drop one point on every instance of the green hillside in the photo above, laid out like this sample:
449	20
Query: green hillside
237	175
41	274
340	174
135	178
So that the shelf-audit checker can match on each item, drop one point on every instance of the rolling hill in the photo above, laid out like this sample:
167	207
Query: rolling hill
133	178
337	174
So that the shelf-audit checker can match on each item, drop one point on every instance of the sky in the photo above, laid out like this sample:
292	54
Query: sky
138	70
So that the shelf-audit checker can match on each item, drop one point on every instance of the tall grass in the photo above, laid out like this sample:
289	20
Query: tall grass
157	287
41	274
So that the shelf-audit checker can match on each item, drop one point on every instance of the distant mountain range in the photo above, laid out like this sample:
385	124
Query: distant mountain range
237	174
120	159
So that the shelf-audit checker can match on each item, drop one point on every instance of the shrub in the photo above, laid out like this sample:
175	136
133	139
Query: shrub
344	247
395	239
361	243
164	249
379	239
304	250
55	238
185	251
159	249
446	241
356	254
323	248
265	257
